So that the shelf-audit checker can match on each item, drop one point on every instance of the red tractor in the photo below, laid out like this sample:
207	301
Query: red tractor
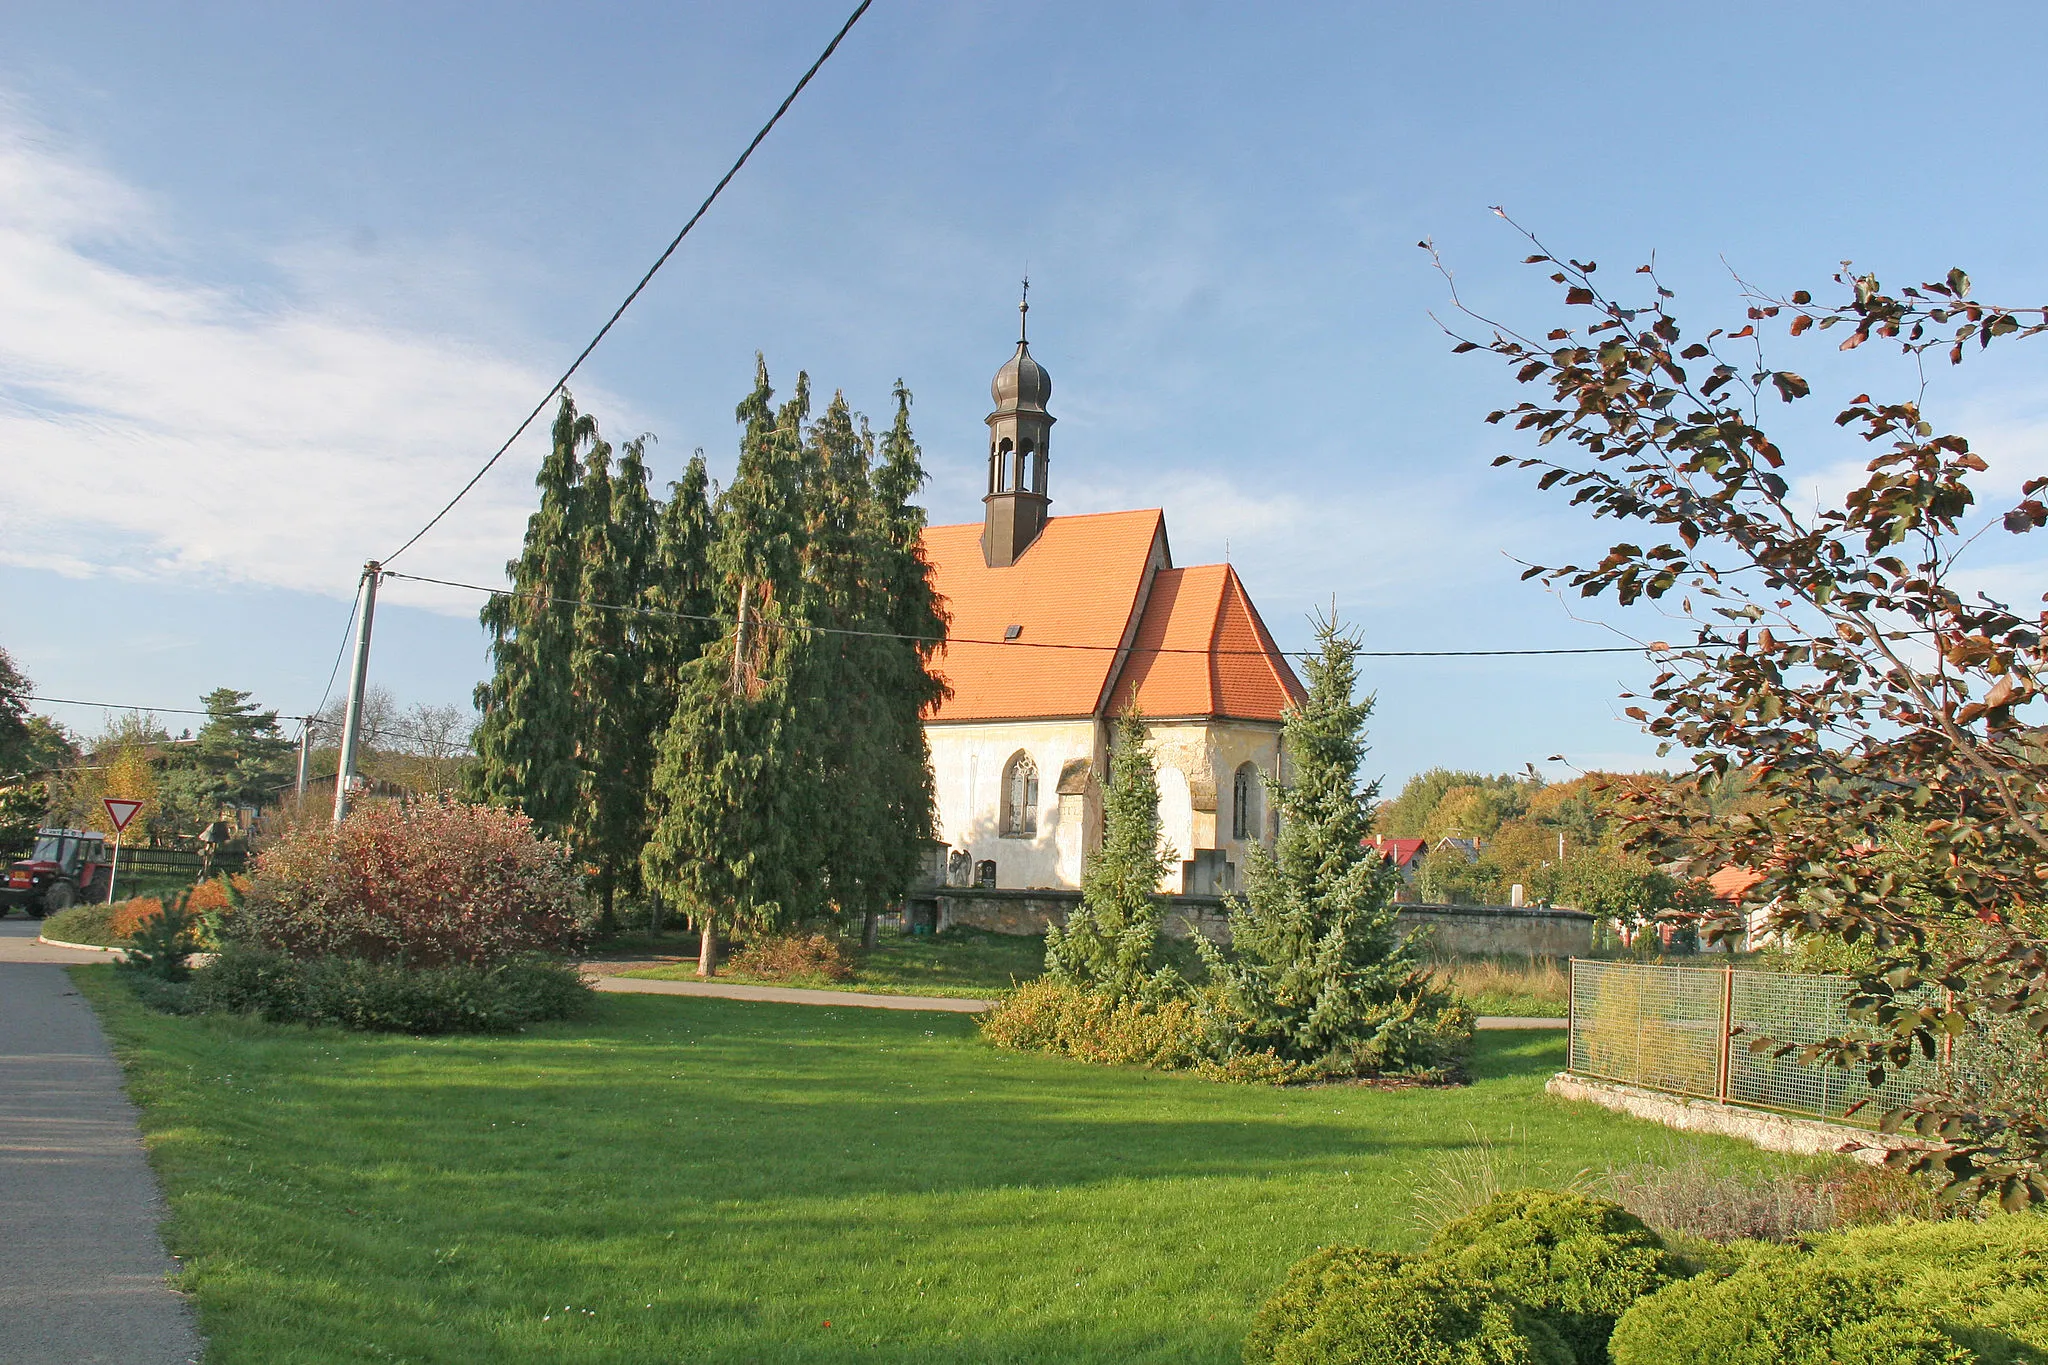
67	867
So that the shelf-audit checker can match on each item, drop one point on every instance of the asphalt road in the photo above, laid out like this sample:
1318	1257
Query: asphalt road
81	1265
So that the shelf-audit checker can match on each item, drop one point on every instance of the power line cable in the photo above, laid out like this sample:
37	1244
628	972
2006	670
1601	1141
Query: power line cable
354	606
1049	644
662	260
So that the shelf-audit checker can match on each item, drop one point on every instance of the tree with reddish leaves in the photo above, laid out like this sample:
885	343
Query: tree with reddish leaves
1831	656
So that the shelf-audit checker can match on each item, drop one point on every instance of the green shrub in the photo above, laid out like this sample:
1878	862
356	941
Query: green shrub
1985	1284
1577	1263
1350	1306
1781	1310
162	944
383	997
91	924
1047	1015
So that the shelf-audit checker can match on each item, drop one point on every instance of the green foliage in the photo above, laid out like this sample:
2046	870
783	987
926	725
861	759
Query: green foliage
1575	1262
1110	942
1409	815
1365	1307
1783	1311
91	924
162	945
22	809
526	740
792	779
1060	1016
1448	877
617	711
239	754
15	690
1316	972
353	993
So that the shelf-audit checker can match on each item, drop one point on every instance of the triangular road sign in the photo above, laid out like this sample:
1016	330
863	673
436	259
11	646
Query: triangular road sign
120	811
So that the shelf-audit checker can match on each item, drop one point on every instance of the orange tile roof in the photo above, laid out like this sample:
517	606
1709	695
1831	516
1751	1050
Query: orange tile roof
1733	882
1203	651
1078	584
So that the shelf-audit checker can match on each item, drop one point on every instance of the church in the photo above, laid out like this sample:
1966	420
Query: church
1060	624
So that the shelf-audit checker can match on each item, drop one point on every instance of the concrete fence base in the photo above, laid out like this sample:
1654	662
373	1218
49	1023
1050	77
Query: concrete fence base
1772	1132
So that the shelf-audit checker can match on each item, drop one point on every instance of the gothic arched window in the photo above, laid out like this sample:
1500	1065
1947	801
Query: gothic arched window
1020	797
1244	802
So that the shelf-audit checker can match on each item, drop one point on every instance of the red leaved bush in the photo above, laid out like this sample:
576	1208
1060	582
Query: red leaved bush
425	885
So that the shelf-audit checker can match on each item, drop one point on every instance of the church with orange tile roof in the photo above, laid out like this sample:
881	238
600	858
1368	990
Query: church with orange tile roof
1060	624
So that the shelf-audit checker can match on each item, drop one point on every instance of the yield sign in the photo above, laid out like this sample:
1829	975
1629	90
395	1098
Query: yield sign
120	811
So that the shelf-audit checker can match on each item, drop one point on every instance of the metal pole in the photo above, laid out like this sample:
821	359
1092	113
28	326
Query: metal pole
352	725
305	751
1723	1076
114	872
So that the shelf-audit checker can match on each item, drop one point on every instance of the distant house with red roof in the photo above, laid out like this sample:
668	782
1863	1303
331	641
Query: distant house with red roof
1059	625
1405	855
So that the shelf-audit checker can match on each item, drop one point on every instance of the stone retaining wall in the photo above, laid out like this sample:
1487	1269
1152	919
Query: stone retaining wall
1772	1132
1529	932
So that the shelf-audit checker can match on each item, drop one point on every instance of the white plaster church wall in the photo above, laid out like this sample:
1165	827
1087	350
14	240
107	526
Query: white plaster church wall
1204	757
967	772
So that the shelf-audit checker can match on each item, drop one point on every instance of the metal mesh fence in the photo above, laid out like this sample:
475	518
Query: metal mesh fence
1687	1030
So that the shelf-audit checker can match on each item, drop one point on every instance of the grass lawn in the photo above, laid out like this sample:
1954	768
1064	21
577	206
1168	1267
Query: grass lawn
961	962
969	963
682	1179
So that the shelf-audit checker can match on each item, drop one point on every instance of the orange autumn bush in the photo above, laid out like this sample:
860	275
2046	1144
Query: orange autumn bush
129	914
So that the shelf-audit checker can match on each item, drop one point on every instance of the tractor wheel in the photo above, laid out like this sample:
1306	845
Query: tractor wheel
60	896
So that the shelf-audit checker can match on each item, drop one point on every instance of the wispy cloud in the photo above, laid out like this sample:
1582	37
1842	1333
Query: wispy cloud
155	426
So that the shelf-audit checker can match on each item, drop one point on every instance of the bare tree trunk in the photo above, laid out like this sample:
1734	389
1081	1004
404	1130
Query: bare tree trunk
871	925
707	948
605	918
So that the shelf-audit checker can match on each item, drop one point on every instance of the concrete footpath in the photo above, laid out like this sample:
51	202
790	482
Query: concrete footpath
794	995
82	1269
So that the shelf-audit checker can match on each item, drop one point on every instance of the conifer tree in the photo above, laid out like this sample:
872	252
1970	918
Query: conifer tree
609	668
527	738
902	796
729	843
239	750
1316	969
1111	938
679	593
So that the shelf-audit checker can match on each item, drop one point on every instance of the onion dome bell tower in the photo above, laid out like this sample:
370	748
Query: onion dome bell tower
1019	437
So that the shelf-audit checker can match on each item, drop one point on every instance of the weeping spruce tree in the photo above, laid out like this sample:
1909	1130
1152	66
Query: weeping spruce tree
526	739
1317	971
1111	939
731	843
609	668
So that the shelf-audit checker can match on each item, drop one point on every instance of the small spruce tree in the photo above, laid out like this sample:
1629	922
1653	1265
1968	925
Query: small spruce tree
1316	970
1111	939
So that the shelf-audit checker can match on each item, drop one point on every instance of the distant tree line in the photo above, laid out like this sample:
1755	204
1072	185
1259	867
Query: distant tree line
716	698
1562	842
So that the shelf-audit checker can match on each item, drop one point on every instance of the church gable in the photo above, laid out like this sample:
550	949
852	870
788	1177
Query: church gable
1203	651
1080	582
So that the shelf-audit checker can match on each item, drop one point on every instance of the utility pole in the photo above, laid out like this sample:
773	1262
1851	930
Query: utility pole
352	726
305	751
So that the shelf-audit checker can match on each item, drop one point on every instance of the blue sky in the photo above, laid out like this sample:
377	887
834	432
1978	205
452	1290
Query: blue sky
274	279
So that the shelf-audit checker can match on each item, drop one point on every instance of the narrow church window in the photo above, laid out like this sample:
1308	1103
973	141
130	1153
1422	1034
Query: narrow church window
1020	797
1244	803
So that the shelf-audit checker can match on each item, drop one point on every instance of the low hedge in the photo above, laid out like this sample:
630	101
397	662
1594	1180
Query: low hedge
1912	1292
93	924
386	997
1055	1016
1374	1308
1577	1263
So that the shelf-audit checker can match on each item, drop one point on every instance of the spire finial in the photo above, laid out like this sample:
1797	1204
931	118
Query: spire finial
1024	312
